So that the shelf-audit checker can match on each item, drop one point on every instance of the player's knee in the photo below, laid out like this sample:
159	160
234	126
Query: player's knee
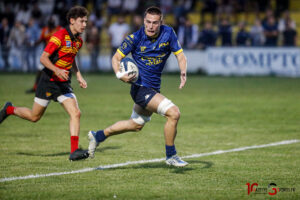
173	113
35	118
138	127
76	113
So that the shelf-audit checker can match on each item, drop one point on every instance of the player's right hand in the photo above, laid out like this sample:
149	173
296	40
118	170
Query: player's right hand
61	73
127	78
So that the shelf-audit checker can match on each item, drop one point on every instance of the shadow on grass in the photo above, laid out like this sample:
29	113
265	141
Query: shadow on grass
108	148
65	153
162	165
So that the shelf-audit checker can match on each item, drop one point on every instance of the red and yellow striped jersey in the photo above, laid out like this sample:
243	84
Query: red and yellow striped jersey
62	47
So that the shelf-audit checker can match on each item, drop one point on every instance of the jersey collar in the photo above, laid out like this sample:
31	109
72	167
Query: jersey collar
73	37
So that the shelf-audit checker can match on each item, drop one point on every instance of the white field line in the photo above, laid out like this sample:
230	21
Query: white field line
147	161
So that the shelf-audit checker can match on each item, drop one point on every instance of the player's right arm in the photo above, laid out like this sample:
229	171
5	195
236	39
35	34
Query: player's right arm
124	49
116	60
45	60
52	46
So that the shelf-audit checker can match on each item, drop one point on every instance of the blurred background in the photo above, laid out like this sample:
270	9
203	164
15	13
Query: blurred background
220	37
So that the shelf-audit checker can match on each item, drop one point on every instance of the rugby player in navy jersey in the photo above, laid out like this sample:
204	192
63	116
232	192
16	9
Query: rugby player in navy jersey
150	47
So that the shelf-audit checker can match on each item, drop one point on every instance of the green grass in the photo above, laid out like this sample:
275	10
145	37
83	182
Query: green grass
216	113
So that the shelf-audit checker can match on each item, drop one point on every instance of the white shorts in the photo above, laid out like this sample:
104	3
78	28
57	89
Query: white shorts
60	99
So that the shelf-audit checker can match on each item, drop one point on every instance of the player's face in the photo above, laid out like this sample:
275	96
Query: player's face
152	24
79	24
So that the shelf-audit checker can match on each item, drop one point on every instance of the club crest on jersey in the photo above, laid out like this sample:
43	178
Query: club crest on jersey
143	48
77	44
68	43
124	46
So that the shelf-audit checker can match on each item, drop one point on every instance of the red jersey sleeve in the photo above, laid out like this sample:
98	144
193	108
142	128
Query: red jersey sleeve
54	43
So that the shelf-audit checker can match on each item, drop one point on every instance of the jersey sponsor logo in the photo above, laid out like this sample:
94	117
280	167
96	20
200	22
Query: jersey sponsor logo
48	94
152	60
143	48
163	44
147	96
68	43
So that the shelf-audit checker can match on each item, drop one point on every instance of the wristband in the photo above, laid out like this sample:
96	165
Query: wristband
120	74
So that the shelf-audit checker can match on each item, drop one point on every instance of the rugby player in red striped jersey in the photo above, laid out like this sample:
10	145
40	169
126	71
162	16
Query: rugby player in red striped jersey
59	58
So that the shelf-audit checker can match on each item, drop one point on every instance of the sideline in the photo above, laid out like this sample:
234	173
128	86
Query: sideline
148	161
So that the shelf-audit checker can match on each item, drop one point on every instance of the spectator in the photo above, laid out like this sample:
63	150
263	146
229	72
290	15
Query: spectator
16	41
129	6
166	6
188	34
114	8
257	34
208	36
4	35
36	13
117	32
137	22
97	19
284	20
9	15
60	11
179	10
188	5
23	15
271	32
93	45
32	36
243	37
225	32
269	13
289	35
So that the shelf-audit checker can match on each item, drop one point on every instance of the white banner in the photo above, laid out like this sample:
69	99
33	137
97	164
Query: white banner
253	61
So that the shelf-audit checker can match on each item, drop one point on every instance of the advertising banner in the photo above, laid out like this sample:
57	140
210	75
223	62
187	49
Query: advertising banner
253	61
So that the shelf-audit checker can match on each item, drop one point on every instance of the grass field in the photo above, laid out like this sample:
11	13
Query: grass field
216	114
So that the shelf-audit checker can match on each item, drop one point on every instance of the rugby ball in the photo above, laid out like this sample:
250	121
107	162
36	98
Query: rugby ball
128	65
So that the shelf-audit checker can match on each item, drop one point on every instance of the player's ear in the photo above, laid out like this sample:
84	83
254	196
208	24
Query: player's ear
72	21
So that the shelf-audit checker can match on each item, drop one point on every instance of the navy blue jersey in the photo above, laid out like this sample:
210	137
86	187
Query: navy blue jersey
150	54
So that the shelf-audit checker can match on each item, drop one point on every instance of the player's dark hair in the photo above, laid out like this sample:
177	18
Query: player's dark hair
153	10
75	12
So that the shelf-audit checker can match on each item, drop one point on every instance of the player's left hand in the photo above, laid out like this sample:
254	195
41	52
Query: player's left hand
82	82
182	80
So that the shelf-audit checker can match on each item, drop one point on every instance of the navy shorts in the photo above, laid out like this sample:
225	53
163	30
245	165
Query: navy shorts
141	95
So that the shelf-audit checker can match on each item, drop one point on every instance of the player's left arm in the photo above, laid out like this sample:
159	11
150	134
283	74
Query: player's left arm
182	62
80	79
